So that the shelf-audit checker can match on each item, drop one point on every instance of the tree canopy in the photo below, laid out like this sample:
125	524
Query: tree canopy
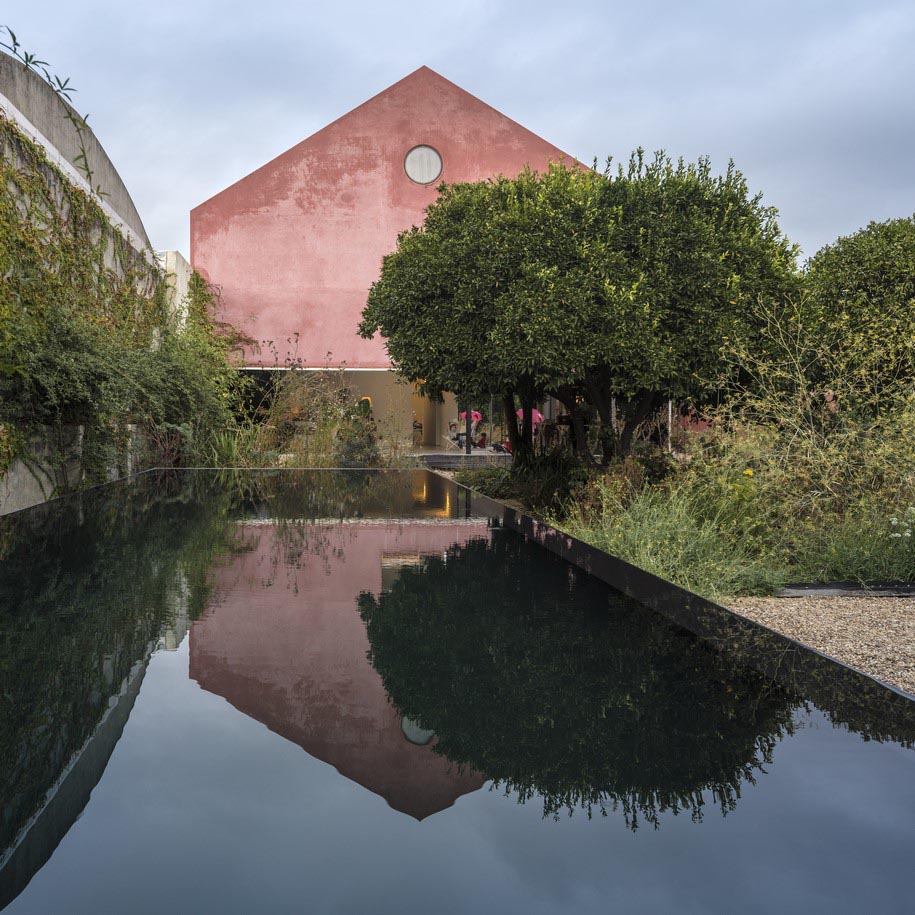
588	286
859	305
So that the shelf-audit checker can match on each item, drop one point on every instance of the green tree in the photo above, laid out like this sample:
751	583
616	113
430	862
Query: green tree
860	309
435	302
587	286
482	299
691	254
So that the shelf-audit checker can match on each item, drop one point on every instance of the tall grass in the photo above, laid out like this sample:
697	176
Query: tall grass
716	542
235	446
807	474
673	532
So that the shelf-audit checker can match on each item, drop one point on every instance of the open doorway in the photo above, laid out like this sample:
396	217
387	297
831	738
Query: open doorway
425	421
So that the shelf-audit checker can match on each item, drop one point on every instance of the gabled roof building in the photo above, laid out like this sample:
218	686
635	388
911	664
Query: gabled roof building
294	246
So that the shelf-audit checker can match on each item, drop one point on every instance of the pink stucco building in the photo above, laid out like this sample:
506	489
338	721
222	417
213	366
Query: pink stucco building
295	245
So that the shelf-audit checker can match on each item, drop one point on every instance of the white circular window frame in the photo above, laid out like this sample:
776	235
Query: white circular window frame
421	162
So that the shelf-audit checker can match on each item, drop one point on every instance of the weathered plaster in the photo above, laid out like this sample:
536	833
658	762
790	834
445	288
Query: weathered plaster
295	246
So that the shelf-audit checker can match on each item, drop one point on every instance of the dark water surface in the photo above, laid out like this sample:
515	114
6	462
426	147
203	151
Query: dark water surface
367	692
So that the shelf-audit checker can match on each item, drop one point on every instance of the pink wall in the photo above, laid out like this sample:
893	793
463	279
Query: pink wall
295	245
284	643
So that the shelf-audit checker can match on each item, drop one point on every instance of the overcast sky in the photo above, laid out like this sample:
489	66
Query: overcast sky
813	99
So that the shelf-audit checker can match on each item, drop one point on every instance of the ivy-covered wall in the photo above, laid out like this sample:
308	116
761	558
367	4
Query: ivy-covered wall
86	338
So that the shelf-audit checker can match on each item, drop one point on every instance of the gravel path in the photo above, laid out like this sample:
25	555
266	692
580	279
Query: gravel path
874	634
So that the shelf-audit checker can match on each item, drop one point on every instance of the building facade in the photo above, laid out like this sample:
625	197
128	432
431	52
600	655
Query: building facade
294	247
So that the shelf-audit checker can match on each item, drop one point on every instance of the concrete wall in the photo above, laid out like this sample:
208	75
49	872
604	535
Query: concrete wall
48	471
177	282
54	467
295	246
395	407
22	487
27	100
29	103
391	401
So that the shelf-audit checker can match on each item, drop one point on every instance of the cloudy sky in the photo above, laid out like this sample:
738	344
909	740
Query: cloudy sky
813	99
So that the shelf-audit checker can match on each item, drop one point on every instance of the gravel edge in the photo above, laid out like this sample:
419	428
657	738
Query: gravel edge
874	634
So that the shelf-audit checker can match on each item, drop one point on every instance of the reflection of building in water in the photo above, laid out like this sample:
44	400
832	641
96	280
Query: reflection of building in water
175	630
66	798
286	645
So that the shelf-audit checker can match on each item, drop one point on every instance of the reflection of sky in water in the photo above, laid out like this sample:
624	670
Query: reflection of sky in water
204	806
201	809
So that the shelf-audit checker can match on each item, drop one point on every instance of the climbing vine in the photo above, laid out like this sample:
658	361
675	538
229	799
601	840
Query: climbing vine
87	339
64	90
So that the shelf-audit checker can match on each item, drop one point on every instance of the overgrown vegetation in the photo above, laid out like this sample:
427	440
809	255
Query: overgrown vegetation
87	340
302	418
807	469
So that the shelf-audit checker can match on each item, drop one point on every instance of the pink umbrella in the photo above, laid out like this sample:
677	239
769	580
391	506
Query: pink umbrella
536	416
474	415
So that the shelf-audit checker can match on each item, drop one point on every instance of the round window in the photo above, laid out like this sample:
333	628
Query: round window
423	164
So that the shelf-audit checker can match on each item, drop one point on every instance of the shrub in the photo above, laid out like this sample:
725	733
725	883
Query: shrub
356	443
547	484
314	419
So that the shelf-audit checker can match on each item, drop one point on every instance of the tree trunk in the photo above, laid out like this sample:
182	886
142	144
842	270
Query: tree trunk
601	397
567	396
521	452
580	434
527	422
511	421
639	411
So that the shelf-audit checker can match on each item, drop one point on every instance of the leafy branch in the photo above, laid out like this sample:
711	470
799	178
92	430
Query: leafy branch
64	91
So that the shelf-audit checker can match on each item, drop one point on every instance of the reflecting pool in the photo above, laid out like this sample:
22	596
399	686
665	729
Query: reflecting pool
349	691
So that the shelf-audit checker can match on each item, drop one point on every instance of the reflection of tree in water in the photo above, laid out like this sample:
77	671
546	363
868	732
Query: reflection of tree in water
549	683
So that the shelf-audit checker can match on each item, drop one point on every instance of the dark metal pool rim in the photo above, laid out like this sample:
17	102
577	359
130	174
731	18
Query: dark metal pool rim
877	710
